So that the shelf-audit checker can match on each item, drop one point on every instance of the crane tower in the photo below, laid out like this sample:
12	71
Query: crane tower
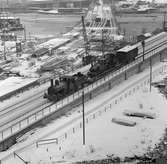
100	17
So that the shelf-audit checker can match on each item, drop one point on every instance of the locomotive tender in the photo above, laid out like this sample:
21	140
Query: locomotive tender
109	62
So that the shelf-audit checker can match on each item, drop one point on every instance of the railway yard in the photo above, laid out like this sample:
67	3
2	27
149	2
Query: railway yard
93	94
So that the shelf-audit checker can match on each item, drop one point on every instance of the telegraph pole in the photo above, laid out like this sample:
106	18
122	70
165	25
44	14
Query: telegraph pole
4	51
164	22
83	115
4	42
86	42
25	37
150	72
103	41
29	36
143	45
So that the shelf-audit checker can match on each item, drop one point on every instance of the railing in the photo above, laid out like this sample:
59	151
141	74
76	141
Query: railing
22	124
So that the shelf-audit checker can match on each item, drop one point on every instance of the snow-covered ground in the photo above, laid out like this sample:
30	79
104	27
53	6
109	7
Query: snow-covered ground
10	46
13	83
103	137
21	96
30	67
27	68
53	43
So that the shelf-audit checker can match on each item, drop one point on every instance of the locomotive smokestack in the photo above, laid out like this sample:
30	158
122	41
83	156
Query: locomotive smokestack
51	82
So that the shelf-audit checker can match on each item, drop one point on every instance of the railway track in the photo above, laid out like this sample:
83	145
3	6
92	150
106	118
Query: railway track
20	104
15	112
26	104
11	117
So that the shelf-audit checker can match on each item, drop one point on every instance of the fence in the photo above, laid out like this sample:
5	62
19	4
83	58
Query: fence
26	121
92	115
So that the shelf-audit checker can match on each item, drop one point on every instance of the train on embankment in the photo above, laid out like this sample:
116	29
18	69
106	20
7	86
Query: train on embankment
110	62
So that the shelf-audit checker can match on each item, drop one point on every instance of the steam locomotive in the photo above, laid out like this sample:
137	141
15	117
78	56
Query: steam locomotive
65	86
109	62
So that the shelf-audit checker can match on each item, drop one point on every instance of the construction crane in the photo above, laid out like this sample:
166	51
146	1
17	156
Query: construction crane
87	58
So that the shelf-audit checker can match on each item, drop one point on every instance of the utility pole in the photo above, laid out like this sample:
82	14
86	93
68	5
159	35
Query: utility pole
164	22
85	36
29	36
103	42
143	45
7	3
83	115
86	43
25	37
150	72
4	51
80	5
4	43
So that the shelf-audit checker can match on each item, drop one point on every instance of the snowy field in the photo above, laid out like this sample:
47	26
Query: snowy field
103	137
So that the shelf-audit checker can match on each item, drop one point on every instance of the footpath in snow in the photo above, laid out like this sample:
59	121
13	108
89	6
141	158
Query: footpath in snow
103	137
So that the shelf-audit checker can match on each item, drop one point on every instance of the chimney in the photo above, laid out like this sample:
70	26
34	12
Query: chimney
51	81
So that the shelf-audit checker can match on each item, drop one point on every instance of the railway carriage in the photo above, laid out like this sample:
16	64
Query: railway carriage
127	54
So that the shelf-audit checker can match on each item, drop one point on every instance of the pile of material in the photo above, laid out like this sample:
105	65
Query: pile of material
123	122
139	114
